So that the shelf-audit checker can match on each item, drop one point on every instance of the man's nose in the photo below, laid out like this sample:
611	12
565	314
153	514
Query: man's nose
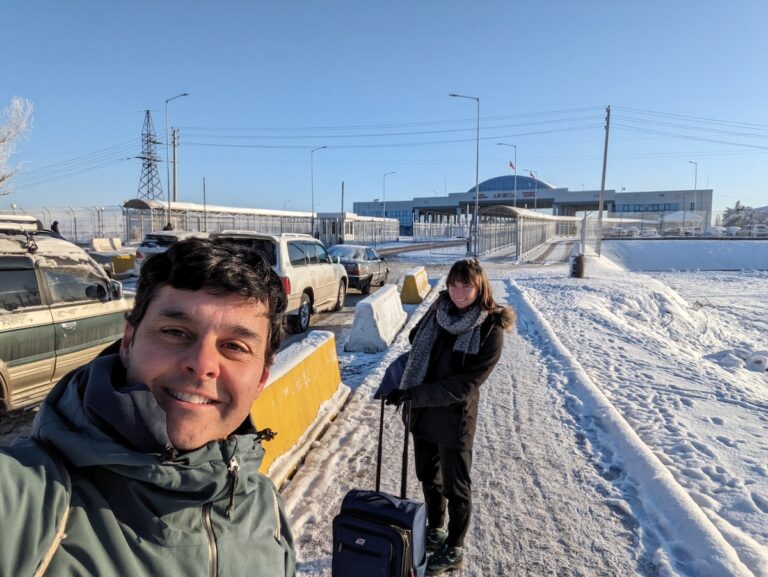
202	359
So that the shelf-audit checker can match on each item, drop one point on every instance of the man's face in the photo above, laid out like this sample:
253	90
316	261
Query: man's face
202	356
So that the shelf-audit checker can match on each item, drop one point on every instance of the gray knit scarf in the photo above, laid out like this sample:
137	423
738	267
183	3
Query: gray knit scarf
464	324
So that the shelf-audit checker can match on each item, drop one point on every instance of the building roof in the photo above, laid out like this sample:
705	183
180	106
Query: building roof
507	182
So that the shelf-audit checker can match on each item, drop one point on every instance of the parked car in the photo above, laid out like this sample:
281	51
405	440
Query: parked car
755	230
312	279
649	231
674	231
614	231
716	231
160	241
364	265
733	230
59	310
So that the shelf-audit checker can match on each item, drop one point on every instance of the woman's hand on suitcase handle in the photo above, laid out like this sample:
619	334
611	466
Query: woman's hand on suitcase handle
397	397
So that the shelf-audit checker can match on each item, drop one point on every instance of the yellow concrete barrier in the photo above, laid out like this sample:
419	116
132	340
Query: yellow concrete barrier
303	394
415	286
123	263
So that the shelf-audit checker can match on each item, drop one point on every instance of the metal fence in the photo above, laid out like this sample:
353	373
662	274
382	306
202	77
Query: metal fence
82	224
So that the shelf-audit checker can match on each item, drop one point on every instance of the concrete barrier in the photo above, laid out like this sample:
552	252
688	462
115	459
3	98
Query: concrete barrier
415	286
303	394
123	263
377	320
101	245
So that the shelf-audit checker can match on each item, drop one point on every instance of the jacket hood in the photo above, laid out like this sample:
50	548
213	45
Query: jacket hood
507	318
93	419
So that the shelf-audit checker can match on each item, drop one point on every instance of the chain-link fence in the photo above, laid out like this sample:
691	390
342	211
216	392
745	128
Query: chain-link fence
81	224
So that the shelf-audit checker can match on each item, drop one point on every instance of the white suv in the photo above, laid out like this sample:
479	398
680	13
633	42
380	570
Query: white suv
161	241
313	280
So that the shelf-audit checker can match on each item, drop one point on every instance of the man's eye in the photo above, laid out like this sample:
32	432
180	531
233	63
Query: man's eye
174	332
238	348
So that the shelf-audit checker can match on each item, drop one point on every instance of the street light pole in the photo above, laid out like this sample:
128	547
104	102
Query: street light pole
167	153
695	180
384	191
477	170
312	186
515	163
384	197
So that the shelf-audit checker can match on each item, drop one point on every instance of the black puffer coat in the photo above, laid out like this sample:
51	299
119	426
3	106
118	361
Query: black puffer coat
444	407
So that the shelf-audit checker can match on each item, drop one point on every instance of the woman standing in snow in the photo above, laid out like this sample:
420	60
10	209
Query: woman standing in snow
455	347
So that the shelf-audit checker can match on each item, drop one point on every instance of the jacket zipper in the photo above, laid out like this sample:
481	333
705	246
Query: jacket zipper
234	473
212	550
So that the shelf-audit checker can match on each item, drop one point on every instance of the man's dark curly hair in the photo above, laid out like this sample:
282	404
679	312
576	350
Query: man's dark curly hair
216	266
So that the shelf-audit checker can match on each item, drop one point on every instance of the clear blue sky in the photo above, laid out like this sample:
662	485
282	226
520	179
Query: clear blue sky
270	79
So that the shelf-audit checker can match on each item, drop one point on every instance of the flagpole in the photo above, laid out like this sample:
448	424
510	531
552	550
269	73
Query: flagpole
515	198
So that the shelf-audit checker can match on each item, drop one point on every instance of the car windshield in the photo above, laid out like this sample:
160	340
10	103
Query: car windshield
263	245
159	240
347	252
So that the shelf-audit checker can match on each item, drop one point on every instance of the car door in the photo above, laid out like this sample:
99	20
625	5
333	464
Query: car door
375	265
324	274
27	342
84	322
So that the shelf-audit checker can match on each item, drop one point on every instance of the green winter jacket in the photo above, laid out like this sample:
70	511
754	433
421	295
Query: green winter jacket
126	512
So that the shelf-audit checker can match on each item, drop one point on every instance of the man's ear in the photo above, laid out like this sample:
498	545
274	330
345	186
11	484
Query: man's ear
126	344
263	381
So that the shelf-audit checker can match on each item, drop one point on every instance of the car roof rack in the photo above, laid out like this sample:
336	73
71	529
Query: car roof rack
19	223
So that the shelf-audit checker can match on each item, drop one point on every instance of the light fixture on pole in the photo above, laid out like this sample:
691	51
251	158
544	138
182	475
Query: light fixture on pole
477	171
167	154
514	166
312	186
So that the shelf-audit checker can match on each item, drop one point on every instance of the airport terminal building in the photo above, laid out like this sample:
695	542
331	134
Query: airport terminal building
527	192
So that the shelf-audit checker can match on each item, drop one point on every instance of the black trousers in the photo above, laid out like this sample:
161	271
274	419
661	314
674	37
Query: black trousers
444	476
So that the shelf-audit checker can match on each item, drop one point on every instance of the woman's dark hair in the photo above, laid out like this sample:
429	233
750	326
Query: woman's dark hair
216	266
469	271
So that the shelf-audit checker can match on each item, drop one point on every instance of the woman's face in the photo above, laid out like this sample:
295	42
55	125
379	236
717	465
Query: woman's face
462	295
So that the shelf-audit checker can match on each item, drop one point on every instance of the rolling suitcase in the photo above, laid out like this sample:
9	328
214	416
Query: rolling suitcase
379	535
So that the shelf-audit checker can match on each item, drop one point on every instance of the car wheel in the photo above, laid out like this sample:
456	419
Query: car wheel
365	286
340	298
384	278
299	323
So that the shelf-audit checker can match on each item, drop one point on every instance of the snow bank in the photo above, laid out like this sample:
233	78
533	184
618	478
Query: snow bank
688	536
377	320
682	254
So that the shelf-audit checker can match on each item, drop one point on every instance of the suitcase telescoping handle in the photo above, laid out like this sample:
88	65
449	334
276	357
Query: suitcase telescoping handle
407	420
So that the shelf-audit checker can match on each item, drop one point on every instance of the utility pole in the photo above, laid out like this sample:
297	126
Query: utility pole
342	200
175	164
205	210
602	183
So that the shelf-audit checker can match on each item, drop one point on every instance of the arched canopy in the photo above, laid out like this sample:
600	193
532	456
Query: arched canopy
507	183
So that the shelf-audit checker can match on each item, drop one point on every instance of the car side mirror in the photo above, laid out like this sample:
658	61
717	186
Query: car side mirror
116	289
336	259
96	291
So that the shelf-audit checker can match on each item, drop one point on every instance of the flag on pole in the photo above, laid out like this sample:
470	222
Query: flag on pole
511	165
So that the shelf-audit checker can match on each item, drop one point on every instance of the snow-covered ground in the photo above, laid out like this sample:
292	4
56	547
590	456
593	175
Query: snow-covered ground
622	433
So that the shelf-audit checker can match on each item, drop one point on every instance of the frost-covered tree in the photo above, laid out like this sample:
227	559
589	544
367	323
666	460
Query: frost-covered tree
743	216
15	121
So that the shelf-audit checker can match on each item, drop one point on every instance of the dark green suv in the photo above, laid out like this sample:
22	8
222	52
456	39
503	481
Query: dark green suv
58	310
